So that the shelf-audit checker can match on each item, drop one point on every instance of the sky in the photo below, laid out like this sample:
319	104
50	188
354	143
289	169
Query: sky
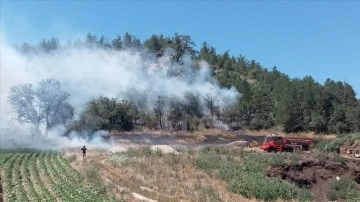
316	38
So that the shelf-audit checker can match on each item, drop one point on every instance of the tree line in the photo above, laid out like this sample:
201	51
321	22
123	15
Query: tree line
269	98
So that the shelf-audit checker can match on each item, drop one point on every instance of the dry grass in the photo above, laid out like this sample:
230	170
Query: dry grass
169	177
157	176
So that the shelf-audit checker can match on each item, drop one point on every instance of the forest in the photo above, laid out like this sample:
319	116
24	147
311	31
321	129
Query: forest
269	98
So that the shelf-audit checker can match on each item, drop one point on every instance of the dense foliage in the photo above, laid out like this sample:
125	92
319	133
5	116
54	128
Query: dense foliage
269	98
106	114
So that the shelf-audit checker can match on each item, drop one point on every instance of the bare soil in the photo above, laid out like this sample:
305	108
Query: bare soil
1	189
316	174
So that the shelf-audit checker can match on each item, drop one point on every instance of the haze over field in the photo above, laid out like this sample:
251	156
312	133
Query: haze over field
89	72
309	89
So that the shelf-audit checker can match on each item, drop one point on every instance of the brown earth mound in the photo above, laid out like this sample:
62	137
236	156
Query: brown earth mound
316	174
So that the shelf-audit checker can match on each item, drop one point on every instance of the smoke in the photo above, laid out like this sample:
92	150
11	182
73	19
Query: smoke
23	137
88	72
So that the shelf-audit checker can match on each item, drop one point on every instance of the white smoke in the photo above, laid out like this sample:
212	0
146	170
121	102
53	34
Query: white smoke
92	72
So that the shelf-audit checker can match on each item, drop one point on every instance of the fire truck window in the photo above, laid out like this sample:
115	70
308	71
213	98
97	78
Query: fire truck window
278	139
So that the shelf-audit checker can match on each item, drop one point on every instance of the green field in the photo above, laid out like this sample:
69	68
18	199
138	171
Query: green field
33	176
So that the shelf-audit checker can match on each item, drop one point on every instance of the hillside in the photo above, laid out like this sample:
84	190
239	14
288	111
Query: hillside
269	98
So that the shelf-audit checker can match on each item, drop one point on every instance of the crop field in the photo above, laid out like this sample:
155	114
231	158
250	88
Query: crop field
162	173
33	176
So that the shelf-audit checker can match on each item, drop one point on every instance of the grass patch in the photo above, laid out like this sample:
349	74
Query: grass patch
208	194
119	159
256	184
330	146
241	171
208	161
246	175
344	189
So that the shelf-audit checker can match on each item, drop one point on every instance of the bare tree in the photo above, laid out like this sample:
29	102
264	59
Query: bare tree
47	103
22	98
51	97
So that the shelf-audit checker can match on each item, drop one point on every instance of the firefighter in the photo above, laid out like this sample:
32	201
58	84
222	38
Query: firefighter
84	152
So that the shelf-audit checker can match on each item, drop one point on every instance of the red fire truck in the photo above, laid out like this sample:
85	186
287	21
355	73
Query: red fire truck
275	143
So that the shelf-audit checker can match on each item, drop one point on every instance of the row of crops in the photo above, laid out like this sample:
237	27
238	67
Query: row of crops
35	176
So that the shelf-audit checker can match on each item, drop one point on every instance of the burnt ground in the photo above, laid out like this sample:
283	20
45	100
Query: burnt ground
317	174
150	139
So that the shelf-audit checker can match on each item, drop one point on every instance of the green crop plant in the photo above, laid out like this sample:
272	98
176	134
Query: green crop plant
32	176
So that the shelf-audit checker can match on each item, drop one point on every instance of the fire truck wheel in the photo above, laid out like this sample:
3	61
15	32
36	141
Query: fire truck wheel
273	150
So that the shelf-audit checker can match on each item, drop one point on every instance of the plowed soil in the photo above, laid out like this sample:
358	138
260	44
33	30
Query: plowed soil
316	174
